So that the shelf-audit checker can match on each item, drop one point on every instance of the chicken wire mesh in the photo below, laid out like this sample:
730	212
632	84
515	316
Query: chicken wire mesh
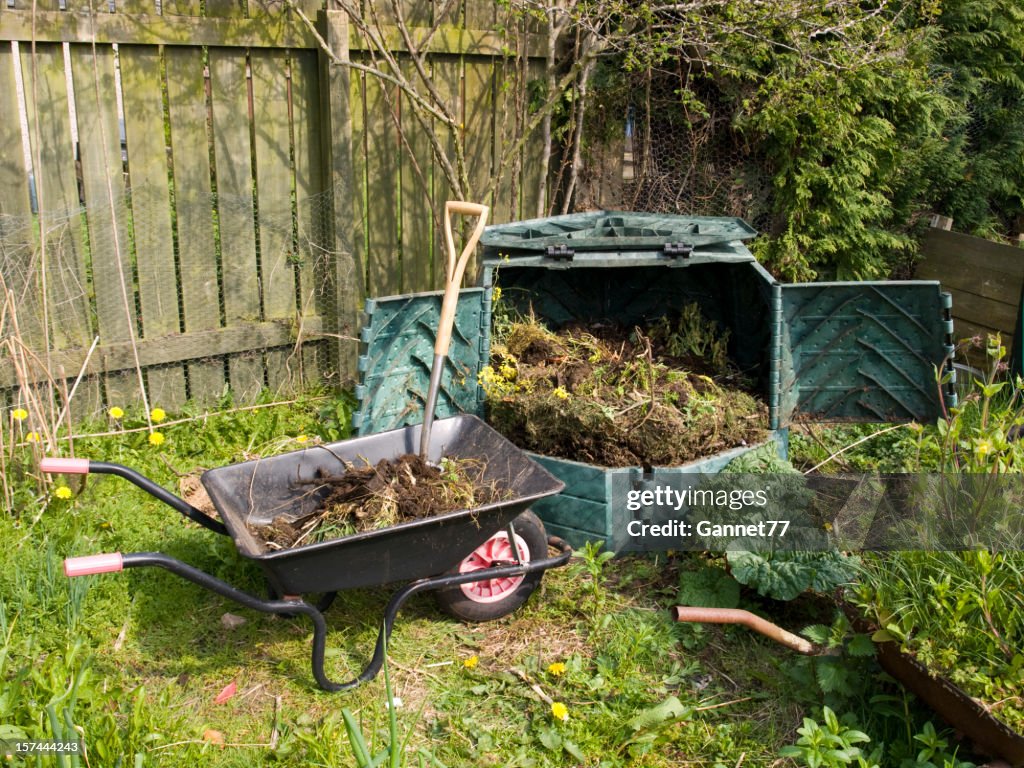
684	157
221	315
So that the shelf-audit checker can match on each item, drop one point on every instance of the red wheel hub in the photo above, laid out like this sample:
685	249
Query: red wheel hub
497	550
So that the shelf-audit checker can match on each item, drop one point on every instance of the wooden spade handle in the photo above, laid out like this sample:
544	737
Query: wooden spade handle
456	266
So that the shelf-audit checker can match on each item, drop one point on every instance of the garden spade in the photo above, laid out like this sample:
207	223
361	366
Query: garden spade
453	279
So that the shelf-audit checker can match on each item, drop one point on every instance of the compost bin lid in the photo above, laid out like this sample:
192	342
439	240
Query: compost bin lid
607	234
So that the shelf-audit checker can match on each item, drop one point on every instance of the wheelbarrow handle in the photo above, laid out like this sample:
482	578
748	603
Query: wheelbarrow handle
115	561
52	464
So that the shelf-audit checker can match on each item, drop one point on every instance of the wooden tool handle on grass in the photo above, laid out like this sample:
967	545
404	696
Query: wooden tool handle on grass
456	266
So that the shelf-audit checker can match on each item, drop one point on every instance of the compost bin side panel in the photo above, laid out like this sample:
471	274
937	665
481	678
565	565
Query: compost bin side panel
397	351
862	351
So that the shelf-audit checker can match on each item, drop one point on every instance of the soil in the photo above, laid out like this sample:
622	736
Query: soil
372	497
612	396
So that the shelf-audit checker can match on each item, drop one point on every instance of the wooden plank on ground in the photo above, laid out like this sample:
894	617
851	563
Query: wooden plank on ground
233	160
311	203
151	211
106	210
193	199
274	187
417	219
14	192
447	75
383	213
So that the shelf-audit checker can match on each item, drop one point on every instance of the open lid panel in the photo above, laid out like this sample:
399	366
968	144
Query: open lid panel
615	231
870	351
397	351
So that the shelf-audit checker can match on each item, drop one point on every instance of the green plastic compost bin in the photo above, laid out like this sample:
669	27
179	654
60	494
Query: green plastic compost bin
865	351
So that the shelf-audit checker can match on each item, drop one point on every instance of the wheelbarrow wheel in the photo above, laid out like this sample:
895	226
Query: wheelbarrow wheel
493	598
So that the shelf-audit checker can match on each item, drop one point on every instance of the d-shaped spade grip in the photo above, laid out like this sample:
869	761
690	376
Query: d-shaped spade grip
111	562
453	275
58	466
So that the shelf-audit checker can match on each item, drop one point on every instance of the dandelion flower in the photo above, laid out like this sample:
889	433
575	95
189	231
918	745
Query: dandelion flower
983	447
556	669
62	492
302	439
33	437
471	662
560	393
19	414
158	415
559	711
116	413
156	438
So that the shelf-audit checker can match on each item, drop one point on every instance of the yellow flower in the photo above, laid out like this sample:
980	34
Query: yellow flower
560	393
302	439
556	669
496	295
62	492
19	414
116	413
471	662
33	437
983	447
559	711
158	415
156	438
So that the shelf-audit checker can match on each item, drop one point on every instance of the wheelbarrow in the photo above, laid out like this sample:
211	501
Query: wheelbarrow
482	563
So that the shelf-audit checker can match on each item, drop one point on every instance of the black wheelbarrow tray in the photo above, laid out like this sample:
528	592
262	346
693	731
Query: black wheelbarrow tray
466	555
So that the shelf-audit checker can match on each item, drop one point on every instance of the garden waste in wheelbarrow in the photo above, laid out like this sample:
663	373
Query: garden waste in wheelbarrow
446	552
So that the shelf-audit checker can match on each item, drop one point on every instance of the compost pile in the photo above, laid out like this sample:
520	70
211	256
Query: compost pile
372	497
656	396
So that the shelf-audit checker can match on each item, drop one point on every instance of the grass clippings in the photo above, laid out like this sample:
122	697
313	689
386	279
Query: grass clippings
660	396
392	492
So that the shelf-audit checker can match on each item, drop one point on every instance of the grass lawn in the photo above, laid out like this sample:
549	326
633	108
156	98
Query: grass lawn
139	664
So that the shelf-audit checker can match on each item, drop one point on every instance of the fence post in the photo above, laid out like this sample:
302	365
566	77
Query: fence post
346	274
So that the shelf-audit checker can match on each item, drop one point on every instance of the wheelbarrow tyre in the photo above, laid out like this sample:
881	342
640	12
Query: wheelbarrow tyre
489	600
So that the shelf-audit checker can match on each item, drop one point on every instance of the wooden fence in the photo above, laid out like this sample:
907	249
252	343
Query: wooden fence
198	186
984	278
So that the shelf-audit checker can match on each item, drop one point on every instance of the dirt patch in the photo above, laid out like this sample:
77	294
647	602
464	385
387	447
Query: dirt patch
372	497
191	489
658	396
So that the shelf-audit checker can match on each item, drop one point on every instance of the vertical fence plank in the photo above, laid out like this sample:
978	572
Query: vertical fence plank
151	212
311	202
14	192
447	74
532	153
233	159
360	203
193	200
57	190
417	220
60	214
383	219
478	136
506	127
274	187
106	212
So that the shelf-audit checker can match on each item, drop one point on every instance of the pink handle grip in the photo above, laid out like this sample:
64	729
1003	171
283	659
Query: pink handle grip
65	466
110	562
